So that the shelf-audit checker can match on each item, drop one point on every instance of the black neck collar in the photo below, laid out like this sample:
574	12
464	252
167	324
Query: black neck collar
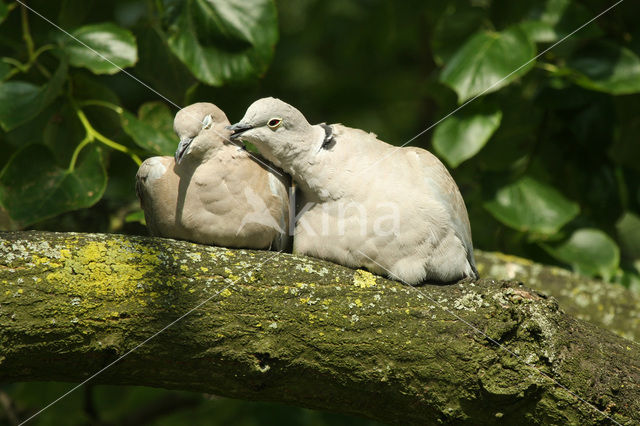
329	141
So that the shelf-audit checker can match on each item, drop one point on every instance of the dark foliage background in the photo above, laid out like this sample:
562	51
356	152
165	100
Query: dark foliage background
546	152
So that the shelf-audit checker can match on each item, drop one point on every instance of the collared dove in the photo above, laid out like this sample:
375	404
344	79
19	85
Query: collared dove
395	211
213	192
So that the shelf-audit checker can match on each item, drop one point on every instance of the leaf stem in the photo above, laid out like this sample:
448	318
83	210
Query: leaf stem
72	164
118	147
554	69
20	67
45	72
17	64
105	104
26	33
93	134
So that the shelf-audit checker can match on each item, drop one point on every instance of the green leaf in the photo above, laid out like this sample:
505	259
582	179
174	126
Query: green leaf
175	78
456	24
532	206
488	61
158	115
5	69
136	216
89	87
628	229
116	48
224	40
511	145
551	20
460	136
607	67
589	251
62	133
20	101
34	188
152	131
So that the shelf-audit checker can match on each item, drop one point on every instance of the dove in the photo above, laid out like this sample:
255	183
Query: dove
365	203
212	191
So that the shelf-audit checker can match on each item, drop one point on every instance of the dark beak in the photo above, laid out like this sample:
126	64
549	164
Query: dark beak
238	129
182	148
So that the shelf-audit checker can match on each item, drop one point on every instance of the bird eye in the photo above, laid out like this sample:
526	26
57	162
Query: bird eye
274	123
207	122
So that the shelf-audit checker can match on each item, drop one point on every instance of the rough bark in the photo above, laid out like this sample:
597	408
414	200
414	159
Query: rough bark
279	327
609	306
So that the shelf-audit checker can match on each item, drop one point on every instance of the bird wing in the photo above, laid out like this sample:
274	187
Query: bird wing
267	193
156	187
447	188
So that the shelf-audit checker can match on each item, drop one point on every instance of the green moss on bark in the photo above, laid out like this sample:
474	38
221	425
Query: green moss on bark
298	330
609	306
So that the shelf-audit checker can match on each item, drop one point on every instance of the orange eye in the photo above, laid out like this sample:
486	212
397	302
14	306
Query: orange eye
274	123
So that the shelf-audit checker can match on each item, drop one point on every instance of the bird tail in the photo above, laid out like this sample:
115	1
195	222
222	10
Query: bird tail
476	275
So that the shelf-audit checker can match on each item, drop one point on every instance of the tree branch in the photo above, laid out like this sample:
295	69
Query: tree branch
278	327
607	305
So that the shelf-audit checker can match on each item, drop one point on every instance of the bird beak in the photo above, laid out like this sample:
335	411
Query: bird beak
238	129
182	148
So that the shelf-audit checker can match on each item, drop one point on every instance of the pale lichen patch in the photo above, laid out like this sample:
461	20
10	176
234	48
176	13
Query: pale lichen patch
196	257
471	301
364	279
103	269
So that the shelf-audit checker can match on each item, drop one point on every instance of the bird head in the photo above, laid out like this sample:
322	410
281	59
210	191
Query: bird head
279	131
200	127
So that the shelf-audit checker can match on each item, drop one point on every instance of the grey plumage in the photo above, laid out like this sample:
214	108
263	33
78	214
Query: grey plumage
213	192
352	183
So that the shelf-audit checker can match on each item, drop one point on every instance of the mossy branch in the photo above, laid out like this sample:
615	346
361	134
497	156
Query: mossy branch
292	329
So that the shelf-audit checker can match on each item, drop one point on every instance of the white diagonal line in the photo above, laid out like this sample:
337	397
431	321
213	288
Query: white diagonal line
98	53
255	158
111	364
495	342
493	85
268	166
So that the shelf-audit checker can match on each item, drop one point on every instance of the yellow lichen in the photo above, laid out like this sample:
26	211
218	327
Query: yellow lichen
225	293
363	279
111	268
